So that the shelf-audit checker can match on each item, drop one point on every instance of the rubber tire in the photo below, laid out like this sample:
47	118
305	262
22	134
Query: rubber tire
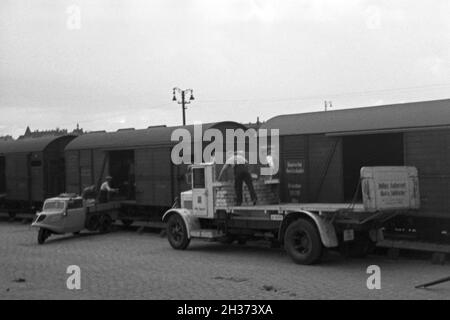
176	221
105	224
315	248
43	235
93	223
127	222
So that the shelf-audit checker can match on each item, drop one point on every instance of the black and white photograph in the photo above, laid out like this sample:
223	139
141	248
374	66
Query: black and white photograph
224	156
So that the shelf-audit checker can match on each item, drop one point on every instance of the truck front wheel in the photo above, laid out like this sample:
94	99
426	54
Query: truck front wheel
302	242
177	233
43	235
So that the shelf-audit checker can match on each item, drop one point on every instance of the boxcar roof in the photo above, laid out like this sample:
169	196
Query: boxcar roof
417	115
127	139
27	144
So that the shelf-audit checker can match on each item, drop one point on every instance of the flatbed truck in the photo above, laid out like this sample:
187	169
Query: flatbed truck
304	229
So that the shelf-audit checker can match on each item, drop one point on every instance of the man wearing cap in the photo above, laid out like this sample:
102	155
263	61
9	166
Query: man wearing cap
106	190
241	174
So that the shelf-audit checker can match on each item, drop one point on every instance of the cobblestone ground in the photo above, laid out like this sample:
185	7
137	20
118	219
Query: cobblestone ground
128	265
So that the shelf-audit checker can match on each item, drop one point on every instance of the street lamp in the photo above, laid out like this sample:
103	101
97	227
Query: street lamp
182	94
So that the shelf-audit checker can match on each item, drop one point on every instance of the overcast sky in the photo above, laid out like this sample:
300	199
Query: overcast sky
114	65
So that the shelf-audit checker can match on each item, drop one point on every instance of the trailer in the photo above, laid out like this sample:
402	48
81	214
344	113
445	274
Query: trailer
304	229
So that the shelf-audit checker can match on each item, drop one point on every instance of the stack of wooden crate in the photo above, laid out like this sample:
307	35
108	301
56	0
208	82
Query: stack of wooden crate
225	195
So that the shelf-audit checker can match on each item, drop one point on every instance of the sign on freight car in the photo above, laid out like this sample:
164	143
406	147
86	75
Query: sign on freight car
295	167
294	190
389	188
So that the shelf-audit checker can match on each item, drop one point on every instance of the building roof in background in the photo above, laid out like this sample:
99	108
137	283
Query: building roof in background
416	115
27	145
130	138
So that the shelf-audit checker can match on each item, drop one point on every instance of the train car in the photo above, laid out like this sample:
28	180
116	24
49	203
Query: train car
139	161
322	153
31	170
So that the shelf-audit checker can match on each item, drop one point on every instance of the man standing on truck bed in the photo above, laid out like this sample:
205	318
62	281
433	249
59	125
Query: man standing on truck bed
241	175
106	190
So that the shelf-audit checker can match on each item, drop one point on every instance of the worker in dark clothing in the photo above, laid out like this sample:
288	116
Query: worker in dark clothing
241	175
106	190
89	193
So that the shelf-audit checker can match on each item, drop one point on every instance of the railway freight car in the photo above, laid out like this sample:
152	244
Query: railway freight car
323	152
31	170
139	161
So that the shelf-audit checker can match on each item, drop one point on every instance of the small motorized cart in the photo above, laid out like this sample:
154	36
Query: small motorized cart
70	213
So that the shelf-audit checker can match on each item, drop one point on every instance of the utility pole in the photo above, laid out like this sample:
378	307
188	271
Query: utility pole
183	101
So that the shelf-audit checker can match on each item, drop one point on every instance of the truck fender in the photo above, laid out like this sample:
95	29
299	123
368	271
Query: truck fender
326	229
192	223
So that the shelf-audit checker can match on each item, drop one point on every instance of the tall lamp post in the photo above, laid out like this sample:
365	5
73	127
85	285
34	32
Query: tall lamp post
181	96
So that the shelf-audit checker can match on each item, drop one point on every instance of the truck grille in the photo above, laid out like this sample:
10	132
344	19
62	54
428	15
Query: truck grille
187	204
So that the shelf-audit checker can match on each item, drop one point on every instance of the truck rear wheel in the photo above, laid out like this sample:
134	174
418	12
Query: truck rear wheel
302	242
43	235
177	232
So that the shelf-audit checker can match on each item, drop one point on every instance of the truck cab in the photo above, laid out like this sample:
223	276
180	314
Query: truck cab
202	193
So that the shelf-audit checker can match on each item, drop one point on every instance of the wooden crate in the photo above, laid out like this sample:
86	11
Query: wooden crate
225	196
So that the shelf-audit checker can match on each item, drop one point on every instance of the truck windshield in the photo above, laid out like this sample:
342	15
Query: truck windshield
54	205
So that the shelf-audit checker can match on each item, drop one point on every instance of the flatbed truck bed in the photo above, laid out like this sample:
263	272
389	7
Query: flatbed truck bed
285	207
340	212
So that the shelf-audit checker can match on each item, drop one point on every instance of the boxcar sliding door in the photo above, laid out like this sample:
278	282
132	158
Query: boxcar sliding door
154	177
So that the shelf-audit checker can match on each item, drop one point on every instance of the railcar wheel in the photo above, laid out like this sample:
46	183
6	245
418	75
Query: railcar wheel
177	233
228	239
11	216
127	222
43	235
302	242
105	224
